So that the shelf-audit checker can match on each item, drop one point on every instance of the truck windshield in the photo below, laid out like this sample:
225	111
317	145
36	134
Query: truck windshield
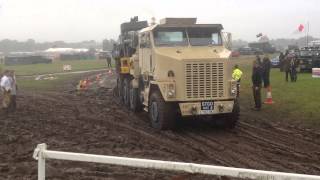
171	37
204	36
179	36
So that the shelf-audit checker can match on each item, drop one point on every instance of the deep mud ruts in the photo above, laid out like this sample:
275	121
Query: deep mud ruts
93	122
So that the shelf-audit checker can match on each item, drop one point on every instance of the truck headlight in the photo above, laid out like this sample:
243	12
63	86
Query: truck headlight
171	90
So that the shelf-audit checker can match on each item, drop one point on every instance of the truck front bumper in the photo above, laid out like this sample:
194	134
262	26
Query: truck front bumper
206	107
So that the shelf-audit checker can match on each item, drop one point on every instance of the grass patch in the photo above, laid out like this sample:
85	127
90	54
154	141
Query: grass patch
55	67
30	84
293	101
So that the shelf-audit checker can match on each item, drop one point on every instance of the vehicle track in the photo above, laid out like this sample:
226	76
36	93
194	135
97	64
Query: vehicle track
93	122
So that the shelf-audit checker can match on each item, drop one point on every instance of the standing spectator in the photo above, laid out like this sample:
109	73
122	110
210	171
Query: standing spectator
14	88
293	69
258	59
286	65
108	61
266	66
236	75
5	85
281	60
256	84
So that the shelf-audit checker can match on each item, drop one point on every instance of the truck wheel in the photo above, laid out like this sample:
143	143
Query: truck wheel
126	91
232	119
135	104
161	113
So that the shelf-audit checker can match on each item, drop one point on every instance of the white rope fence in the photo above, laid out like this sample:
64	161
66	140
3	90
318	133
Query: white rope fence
41	154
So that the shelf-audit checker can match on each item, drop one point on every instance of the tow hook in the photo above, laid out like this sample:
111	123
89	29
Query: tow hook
194	110
221	107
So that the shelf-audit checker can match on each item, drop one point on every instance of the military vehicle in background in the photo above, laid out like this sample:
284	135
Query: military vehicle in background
265	47
308	58
250	51
176	68
294	48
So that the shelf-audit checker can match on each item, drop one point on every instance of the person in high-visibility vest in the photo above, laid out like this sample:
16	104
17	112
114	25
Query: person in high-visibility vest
236	75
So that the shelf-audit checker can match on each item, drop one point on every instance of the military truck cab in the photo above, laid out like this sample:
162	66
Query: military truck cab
308	58
181	68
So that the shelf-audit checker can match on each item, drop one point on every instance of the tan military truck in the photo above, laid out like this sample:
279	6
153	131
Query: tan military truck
177	68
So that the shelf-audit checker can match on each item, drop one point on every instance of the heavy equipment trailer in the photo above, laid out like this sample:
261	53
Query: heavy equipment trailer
176	68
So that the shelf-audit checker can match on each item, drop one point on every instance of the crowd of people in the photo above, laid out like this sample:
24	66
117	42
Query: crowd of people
9	88
261	74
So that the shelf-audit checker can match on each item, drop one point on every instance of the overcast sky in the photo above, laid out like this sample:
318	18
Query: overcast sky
77	20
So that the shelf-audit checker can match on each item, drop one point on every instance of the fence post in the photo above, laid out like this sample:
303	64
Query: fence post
39	155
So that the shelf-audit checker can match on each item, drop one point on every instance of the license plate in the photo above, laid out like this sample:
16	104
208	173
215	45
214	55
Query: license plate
207	106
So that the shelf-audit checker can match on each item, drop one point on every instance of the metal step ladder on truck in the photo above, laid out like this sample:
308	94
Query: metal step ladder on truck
177	68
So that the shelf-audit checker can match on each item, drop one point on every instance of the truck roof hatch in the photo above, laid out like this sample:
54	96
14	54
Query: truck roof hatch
178	21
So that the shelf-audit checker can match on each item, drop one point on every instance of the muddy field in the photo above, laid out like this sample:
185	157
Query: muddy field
94	122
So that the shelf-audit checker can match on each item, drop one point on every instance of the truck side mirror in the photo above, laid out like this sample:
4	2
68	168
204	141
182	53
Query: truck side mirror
227	40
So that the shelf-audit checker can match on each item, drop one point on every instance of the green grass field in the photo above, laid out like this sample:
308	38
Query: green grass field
293	101
77	65
29	83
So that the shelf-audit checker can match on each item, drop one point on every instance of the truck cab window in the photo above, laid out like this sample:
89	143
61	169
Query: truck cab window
170	37
204	36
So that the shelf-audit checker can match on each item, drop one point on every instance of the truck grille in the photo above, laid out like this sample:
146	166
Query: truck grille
204	80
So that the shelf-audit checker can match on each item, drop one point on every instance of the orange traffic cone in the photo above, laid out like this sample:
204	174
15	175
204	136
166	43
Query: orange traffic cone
269	96
98	77
87	83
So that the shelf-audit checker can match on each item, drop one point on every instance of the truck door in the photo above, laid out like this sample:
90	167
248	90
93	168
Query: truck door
145	54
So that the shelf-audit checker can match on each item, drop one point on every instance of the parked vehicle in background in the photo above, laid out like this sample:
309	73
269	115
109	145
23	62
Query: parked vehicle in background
308	58
104	54
293	47
265	47
275	62
250	51
235	53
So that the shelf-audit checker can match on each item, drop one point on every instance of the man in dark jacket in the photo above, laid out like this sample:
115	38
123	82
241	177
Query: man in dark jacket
281	60
256	84
258	59
288	65
108	61
266	66
293	69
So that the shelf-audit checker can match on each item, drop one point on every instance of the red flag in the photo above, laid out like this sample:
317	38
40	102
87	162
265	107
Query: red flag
300	28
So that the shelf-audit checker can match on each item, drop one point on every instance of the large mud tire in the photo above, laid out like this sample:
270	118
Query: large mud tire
135	104
162	114
232	119
126	92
